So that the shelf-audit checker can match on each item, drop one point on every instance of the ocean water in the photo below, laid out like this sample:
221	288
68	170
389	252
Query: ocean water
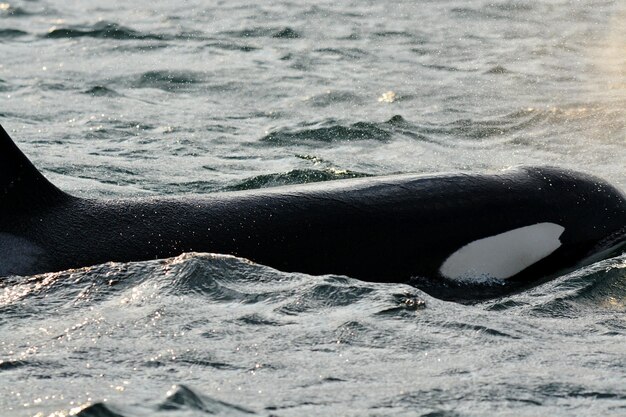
118	99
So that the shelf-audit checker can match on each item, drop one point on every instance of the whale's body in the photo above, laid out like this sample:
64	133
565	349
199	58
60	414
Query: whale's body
518	226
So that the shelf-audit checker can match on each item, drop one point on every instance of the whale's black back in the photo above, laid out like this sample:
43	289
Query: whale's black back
22	186
387	229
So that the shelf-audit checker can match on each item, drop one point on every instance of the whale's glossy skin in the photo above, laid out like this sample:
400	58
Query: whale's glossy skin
386	229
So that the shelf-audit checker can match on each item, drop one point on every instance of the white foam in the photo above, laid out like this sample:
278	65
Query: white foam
503	255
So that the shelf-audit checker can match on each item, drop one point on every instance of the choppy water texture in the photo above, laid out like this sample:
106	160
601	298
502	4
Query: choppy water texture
117	99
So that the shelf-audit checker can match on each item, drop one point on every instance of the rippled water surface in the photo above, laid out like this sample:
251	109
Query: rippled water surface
114	99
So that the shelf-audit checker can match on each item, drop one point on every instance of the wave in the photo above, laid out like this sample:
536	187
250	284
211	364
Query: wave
348	53
499	129
516	127
287	33
447	68
184	398
415	38
231	46
11	33
483	129
330	131
99	410
507	10
227	279
498	69
102	30
180	398
213	277
167	80
332	97
101	91
600	286
296	176
265	32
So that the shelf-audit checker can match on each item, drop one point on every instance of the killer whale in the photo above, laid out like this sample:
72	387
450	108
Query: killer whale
439	232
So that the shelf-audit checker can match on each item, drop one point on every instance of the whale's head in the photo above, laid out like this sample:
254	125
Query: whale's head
555	220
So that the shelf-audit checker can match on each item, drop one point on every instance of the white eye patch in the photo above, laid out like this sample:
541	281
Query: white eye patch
504	255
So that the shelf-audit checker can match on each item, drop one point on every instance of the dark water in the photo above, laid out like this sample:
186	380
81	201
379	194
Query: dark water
117	99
